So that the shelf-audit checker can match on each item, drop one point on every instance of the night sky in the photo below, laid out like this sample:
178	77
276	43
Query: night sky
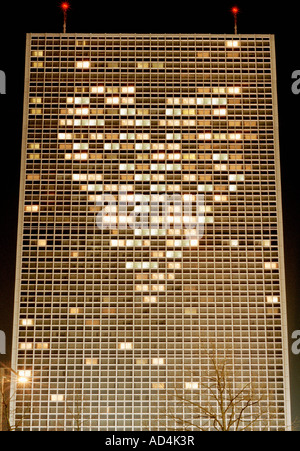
198	16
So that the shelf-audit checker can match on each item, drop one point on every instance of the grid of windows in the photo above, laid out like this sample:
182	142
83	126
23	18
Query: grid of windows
108	320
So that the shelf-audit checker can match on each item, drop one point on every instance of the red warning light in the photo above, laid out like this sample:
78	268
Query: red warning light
65	6
235	10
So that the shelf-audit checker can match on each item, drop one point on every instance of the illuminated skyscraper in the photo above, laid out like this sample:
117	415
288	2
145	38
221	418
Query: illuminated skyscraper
119	299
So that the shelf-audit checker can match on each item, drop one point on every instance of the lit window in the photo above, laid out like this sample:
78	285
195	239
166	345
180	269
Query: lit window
234	90
159	288
191	232
158	362
142	288
173	112
91	188
220	157
142	177
174	265
173	136
232	44
191	311
127	111
128	90
189	112
75	311
220	112
57	398
158	156
68	122
220	136
25	373
127	167
83	64
141	136
158	276
271	265
38	64
266	243
150	299
202	188
157	254
26	346
142	276
127	136
115	243
205	136
209	101
27	322
38	53
234	243
189	198
235	136
34	146
172	188
126	346
219	198
236	178
174	254
192	385
33	177
91	362
142	123
174	156
82	111
79	177
65	136
113	101
42	346
158	385
32	208
143	65
78	100
36	111
219	91
144	146
221	167
88	122
97	89
42	243
77	156
175	101
272	299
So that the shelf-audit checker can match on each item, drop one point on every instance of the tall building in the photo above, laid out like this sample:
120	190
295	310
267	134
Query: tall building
150	230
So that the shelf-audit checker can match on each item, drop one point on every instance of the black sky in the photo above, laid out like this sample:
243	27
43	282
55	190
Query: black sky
94	16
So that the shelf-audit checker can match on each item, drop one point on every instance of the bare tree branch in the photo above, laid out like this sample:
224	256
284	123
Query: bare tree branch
225	407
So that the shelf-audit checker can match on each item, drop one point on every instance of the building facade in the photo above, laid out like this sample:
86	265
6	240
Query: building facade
150	230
